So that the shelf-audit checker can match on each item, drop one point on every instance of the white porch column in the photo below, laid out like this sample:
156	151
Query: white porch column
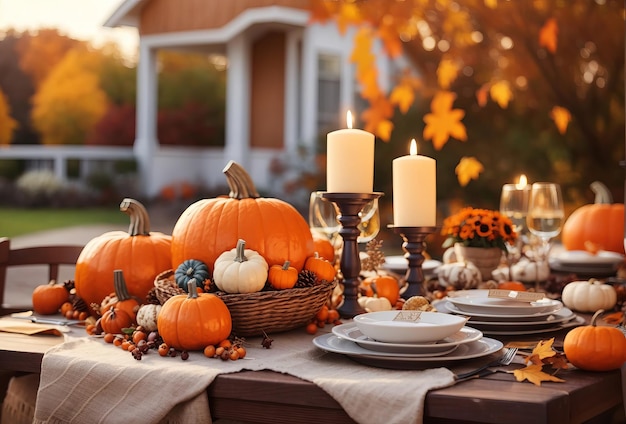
293	97
146	143
237	143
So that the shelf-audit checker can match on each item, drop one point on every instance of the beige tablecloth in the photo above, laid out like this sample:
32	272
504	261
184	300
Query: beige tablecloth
87	381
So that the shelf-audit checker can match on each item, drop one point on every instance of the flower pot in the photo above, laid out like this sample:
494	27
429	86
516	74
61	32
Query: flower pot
486	259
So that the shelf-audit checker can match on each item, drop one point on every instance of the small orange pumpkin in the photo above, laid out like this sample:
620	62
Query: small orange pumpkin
283	277
324	270
599	225
48	298
195	320
139	253
595	348
114	320
121	298
387	286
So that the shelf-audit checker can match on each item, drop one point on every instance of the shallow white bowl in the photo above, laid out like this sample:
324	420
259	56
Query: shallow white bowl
432	326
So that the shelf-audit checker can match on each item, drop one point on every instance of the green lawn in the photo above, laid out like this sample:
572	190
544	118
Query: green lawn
15	222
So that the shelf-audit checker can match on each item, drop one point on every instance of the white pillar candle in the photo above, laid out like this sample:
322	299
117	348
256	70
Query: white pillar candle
349	160
414	190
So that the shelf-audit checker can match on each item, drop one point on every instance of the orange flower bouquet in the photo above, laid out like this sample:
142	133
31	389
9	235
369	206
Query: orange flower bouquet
478	228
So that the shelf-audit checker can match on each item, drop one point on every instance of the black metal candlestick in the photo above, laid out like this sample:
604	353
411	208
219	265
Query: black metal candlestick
413	247
350	204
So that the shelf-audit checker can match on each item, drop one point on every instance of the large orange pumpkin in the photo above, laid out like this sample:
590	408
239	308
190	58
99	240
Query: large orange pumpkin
271	227
140	254
598	225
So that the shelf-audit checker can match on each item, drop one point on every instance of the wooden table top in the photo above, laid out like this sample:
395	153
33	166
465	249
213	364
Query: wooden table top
270	397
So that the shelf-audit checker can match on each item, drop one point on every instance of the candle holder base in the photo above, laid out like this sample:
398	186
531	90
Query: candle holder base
349	205
413	247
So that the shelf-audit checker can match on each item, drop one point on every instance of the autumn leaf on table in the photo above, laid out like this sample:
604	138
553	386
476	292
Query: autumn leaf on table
534	374
501	93
444	122
548	35
447	72
468	169
614	318
561	118
541	351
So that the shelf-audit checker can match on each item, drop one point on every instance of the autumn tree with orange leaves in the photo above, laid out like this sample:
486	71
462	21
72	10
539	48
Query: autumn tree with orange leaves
559	65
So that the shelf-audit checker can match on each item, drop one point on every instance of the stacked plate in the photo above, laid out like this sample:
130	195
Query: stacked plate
496	316
380	339
602	264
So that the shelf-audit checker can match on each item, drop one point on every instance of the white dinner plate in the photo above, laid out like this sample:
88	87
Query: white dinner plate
445	304
577	321
477	301
581	257
352	333
562	315
399	264
479	348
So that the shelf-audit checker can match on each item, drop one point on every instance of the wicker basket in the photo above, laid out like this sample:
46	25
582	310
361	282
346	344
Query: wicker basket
274	311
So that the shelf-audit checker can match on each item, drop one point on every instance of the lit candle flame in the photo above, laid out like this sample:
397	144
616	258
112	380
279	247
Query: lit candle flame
349	119
522	182
413	148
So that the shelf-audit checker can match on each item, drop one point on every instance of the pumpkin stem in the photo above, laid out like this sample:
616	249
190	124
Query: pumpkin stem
603	195
240	252
191	286
286	265
139	219
595	317
239	182
119	285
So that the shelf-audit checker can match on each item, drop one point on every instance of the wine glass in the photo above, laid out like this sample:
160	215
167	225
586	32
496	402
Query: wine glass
370	222
323	216
514	205
545	214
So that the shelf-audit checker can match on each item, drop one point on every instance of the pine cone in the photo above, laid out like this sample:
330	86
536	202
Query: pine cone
166	288
306	278
79	304
151	297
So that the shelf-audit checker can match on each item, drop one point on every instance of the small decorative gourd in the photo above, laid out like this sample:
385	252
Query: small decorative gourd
195	320
589	296
459	275
121	299
595	348
147	316
191	268
529	271
48	298
374	304
240	270
283	277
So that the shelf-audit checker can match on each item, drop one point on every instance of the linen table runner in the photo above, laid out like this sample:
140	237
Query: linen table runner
88	381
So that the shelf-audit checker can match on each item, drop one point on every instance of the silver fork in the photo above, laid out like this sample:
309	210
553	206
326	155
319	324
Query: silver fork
505	359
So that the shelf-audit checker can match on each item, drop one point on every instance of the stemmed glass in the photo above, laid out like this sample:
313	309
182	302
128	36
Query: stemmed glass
514	205
370	222
323	216
545	214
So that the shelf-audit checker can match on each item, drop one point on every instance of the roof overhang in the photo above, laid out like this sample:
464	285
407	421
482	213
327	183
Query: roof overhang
127	14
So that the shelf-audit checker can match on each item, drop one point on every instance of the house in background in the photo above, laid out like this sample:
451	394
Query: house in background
287	83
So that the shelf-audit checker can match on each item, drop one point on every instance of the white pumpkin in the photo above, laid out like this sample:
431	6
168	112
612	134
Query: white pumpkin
529	271
459	275
147	316
589	296
240	270
374	304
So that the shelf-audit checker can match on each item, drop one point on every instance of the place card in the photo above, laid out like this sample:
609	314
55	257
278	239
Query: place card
518	296
408	316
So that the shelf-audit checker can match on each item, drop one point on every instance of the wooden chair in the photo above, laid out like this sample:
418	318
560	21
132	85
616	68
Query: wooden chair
50	256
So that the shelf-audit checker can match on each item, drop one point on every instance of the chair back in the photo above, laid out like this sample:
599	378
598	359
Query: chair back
51	256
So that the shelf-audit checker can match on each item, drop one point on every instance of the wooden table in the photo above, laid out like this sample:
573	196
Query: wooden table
270	397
